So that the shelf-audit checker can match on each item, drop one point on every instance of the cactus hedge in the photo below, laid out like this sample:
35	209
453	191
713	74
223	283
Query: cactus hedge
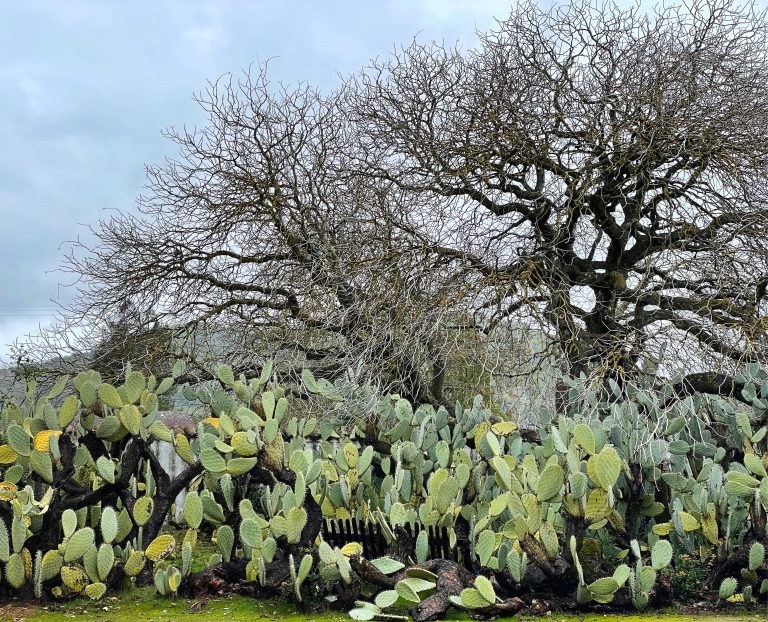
591	508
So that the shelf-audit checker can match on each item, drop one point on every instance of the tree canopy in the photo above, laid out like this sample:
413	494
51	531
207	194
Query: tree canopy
592	176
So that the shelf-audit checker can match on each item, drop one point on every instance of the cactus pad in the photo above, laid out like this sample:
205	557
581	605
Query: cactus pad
160	548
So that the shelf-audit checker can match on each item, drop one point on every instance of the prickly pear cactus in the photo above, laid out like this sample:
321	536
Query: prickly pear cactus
86	501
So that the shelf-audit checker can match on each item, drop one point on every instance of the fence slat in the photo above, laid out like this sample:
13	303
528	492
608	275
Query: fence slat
337	533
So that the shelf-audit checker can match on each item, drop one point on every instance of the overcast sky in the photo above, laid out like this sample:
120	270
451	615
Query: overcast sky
87	87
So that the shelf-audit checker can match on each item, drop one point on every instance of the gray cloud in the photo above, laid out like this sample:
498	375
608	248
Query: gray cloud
88	86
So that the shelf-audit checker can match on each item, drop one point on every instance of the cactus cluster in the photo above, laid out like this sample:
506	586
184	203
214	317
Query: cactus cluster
617	484
68	478
613	466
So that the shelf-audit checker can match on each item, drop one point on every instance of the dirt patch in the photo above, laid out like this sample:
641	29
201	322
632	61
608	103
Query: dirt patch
18	612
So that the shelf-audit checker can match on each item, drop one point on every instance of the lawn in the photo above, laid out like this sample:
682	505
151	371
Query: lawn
143	605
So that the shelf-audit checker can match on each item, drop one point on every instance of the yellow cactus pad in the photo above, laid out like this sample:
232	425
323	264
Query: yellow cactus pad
42	440
8	491
74	578
184	449
352	549
160	548
7	455
503	428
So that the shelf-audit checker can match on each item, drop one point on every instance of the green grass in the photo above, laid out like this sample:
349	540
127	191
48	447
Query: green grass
143	605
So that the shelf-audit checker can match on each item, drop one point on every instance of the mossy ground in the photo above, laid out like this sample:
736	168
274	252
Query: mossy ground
143	605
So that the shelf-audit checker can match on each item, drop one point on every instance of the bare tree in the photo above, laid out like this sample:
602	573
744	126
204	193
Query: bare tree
601	172
261	239
593	178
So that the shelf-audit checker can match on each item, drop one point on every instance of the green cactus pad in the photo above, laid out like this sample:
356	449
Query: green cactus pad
18	439
486	543
130	418
106	469
550	482
471	598
212	461
105	560
483	585
240	466
584	437
42	464
108	524
661	555
135	563
134	386
68	522
95	591
295	522
124	525
184	449
14	571
161	431
727	588
193	510
756	556
225	540
142	510
250	533
50	565
607	467
110	396
68	411
78	544
18	533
